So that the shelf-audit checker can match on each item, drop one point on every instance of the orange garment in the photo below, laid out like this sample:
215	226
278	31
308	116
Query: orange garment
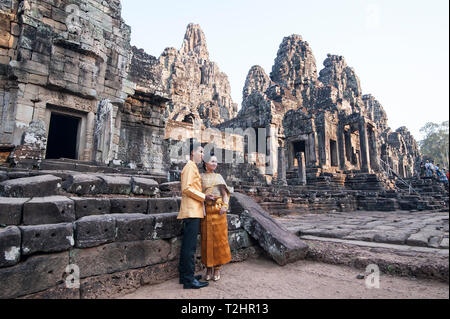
215	249
192	197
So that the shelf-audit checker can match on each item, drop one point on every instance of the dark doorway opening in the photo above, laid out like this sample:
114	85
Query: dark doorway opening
298	147
62	137
333	153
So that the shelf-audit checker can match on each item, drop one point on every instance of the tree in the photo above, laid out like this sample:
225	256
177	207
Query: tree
435	143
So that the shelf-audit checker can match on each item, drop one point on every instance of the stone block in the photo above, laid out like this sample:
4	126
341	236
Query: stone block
444	243
129	205
391	237
48	210
91	231
91	206
280	244
239	239
11	210
46	238
234	222
83	184
115	257
133	227
173	187
10	239
144	186
167	226
117	284
162	205
3	175
418	239
36	186
116	184
35	274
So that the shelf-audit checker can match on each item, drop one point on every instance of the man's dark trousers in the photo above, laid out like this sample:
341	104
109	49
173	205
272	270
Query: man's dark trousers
191	227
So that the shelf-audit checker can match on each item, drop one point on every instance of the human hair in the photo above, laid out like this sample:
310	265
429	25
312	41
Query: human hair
211	154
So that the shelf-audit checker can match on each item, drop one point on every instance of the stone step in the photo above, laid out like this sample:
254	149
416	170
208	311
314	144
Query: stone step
36	186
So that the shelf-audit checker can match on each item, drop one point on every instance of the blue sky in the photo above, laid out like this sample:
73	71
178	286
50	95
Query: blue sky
399	49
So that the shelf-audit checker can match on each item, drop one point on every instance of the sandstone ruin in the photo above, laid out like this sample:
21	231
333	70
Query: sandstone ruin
90	129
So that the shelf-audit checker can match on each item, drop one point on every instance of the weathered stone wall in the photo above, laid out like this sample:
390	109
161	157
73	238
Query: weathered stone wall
70	55
74	58
115	244
9	33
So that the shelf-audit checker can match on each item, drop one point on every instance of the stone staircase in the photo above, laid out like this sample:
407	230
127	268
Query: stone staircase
328	192
427	192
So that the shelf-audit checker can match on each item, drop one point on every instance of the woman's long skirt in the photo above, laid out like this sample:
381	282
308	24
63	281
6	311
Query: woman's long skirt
214	239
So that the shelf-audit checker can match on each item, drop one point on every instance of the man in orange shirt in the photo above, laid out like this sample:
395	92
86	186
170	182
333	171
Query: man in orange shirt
191	212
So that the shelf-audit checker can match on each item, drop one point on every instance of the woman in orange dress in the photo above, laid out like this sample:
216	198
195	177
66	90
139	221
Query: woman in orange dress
215	248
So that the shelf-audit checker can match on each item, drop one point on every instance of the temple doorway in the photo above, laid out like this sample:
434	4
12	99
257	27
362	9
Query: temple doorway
62	136
298	147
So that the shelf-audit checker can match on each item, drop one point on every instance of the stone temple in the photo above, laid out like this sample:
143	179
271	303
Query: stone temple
91	130
73	87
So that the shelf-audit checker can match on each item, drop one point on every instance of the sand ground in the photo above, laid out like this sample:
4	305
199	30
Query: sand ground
261	278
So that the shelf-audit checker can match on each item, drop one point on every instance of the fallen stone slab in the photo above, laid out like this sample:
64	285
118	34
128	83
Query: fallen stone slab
129	205
11	210
10	239
115	257
92	231
283	246
116	184
167	226
133	227
144	186
83	184
162	205
33	275
36	186
91	206
48	210
46	238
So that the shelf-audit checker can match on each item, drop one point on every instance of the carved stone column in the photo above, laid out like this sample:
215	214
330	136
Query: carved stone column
364	146
301	168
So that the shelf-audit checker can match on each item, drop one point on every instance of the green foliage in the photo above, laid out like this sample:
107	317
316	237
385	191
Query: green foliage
435	143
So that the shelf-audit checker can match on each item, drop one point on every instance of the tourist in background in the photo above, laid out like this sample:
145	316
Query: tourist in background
442	177
429	171
422	169
215	248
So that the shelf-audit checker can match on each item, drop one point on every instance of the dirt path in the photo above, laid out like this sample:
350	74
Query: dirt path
262	279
